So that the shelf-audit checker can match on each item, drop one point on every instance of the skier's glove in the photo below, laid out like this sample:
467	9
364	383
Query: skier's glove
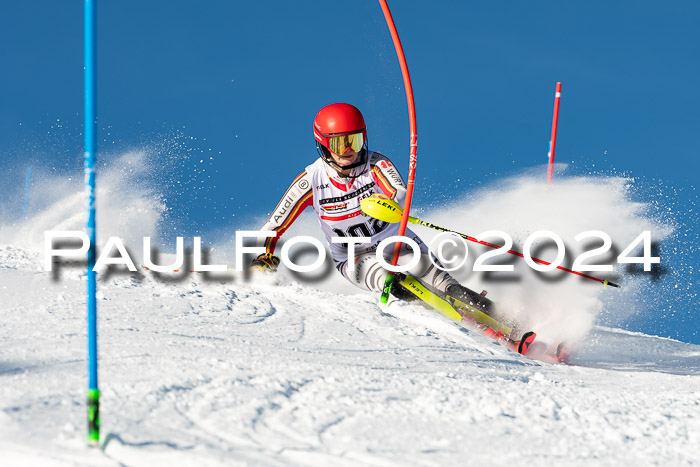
265	262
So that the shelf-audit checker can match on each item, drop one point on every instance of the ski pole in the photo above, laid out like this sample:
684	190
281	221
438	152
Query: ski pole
388	210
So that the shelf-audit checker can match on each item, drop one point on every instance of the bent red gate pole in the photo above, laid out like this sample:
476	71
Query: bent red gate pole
553	138
414	145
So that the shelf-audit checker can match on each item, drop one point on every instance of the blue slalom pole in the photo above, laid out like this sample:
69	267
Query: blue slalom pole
27	184
90	26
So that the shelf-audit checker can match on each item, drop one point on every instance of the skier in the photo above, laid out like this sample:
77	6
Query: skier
347	172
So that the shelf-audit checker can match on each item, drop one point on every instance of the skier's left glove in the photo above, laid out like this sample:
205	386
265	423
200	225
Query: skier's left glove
265	262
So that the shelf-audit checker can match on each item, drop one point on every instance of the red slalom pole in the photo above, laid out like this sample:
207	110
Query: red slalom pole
553	139
414	145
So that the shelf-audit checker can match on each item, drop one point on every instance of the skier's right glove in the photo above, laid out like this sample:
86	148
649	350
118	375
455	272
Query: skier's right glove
265	262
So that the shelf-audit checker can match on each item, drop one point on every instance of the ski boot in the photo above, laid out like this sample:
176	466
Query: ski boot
471	298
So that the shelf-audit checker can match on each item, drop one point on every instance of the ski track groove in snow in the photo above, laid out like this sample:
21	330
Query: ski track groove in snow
200	372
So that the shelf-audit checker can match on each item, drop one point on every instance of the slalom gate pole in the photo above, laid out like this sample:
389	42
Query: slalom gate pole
27	185
553	138
90	101
413	159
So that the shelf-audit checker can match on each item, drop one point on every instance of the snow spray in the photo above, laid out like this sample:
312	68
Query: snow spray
559	305
27	184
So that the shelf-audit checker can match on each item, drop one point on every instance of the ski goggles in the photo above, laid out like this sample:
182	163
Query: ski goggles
340	144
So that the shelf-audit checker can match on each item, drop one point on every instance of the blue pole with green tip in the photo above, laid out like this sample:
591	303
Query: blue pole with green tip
93	402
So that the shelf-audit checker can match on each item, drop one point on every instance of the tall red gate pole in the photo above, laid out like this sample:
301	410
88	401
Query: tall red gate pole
553	139
414	145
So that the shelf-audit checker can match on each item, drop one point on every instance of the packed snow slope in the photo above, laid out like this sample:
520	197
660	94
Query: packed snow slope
272	372
285	370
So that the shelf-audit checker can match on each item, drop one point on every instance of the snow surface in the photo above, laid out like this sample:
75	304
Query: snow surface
271	372
196	370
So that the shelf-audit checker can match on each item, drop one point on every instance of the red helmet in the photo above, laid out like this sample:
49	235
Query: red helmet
336	120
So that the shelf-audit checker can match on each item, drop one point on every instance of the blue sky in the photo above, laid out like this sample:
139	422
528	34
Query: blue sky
244	75
245	79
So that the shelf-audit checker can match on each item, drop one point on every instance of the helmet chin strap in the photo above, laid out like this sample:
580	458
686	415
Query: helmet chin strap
362	159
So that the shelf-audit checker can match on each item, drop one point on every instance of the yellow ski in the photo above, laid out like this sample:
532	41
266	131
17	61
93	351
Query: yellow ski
452	308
